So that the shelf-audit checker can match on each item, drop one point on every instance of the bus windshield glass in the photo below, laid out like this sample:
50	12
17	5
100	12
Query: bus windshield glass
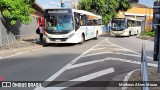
59	23
118	24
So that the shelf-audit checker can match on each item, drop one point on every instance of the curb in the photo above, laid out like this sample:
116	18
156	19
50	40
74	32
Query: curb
146	37
126	79
15	52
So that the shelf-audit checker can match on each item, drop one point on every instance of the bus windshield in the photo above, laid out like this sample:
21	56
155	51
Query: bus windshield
59	23
118	24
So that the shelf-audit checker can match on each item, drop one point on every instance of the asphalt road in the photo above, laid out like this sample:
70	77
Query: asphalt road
106	59
134	44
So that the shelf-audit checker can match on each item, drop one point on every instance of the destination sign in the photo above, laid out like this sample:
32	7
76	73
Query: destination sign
119	19
58	11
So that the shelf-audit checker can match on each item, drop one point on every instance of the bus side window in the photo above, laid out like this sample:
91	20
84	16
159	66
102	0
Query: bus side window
82	20
77	20
128	23
97	22
92	22
86	20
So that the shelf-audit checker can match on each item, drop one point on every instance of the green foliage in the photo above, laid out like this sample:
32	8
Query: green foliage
17	10
152	34
107	8
124	5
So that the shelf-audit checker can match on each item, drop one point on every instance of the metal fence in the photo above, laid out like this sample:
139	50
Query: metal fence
8	42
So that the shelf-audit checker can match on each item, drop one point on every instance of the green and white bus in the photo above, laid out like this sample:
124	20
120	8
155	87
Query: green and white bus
71	26
125	27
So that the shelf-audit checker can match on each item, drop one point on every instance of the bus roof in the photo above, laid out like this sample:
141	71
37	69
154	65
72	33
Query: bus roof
130	18
89	14
133	19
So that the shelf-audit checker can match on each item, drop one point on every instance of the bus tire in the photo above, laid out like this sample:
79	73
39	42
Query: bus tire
137	33
82	39
96	36
44	44
130	33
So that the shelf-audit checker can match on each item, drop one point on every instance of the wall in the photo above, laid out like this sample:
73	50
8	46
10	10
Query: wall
18	28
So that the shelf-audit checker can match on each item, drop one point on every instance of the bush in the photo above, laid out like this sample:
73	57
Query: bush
152	34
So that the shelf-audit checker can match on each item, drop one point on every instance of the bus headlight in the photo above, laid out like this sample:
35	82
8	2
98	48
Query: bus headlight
46	35
69	36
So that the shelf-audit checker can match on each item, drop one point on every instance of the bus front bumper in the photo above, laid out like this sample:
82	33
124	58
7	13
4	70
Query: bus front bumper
120	33
60	40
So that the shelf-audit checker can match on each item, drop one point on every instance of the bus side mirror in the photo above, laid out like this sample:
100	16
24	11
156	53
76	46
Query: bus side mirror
128	25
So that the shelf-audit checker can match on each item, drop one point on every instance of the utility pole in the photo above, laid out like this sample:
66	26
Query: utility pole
74	4
0	31
146	16
156	27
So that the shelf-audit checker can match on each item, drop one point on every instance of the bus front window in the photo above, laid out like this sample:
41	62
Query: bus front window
59	22
118	24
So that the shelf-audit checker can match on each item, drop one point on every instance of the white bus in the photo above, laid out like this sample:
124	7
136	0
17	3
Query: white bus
71	26
125	27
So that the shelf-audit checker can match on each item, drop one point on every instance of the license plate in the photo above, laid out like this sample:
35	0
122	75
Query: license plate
58	40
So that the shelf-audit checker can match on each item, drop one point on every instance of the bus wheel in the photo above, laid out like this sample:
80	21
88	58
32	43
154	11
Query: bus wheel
96	35
137	33
44	44
82	39
129	33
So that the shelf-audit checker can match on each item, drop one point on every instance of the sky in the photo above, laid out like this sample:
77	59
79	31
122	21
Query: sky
56	3
53	3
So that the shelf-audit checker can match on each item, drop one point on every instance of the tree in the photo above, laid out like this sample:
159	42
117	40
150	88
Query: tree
17	10
124	5
107	8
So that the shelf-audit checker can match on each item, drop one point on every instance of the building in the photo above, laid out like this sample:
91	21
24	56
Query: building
39	11
140	12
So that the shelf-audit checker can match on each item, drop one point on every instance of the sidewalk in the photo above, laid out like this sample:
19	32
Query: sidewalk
152	76
19	50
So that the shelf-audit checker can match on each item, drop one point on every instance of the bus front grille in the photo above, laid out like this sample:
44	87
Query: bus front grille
58	39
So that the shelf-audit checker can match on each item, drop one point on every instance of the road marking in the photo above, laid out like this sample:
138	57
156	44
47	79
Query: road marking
110	48
99	48
121	47
54	76
106	45
0	57
97	54
108	59
111	53
88	63
126	48
94	75
135	62
127	77
82	79
122	50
